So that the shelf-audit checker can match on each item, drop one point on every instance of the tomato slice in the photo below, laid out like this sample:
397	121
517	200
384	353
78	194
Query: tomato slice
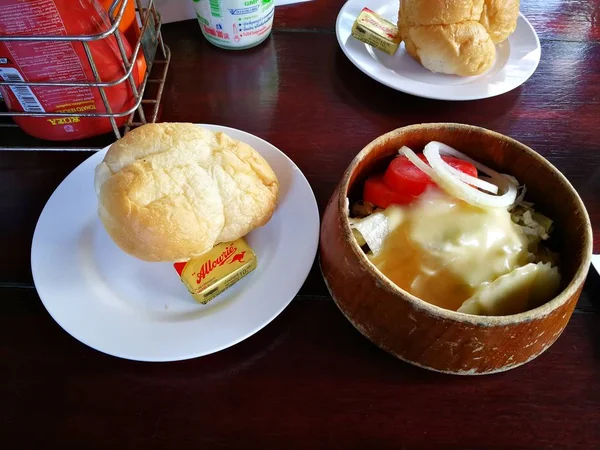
403	176
380	194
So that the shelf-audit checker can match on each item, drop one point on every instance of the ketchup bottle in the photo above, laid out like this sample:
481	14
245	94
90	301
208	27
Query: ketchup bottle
129	24
130	28
37	61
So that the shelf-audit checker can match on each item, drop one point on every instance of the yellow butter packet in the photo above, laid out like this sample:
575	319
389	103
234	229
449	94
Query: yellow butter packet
374	30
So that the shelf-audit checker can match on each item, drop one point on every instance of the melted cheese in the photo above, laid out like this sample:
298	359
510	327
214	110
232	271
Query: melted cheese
443	249
522	289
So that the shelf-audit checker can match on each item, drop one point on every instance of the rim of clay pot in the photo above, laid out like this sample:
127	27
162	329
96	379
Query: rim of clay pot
486	321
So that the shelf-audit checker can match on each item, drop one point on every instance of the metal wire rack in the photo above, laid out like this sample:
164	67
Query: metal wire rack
147	101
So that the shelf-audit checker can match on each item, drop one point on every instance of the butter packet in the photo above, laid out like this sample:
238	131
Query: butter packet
374	30
208	275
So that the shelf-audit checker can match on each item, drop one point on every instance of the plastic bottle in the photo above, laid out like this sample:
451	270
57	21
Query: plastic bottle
235	24
61	61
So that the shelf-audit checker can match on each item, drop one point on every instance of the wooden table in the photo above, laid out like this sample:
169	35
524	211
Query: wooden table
310	380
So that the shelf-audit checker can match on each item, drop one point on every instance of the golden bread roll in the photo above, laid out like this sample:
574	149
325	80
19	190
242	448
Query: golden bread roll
439	12
456	36
172	191
462	49
499	17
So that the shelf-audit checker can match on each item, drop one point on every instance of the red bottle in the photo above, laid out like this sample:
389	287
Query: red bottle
37	61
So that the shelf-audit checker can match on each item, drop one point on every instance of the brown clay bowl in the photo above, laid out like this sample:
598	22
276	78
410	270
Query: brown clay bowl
432	337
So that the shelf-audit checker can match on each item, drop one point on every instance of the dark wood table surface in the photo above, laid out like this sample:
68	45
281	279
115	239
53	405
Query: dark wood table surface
309	379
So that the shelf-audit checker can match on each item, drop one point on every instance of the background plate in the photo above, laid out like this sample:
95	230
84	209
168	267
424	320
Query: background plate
516	60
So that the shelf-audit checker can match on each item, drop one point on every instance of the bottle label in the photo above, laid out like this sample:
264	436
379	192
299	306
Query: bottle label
46	61
235	23
24	95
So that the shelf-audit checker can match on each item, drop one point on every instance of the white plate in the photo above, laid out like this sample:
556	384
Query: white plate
596	262
132	309
516	60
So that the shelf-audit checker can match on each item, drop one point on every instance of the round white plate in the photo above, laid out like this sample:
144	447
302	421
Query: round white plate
516	60
137	310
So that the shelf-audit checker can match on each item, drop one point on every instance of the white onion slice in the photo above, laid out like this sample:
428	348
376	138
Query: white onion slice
445	149
492	175
450	183
481	184
473	181
413	158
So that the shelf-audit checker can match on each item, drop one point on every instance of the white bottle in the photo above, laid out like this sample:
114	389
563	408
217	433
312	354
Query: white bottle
235	24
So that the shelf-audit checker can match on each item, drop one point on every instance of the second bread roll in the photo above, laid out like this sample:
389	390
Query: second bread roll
499	17
462	49
456	36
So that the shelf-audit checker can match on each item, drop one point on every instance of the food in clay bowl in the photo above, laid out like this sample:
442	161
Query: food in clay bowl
455	248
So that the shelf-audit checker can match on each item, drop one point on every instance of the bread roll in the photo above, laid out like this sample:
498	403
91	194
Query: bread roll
439	12
456	36
462	49
172	191
499	17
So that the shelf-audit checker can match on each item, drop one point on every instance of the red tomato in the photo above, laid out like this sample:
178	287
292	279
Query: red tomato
403	176
380	194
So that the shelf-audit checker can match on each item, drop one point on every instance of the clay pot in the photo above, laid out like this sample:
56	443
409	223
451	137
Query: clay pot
429	336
